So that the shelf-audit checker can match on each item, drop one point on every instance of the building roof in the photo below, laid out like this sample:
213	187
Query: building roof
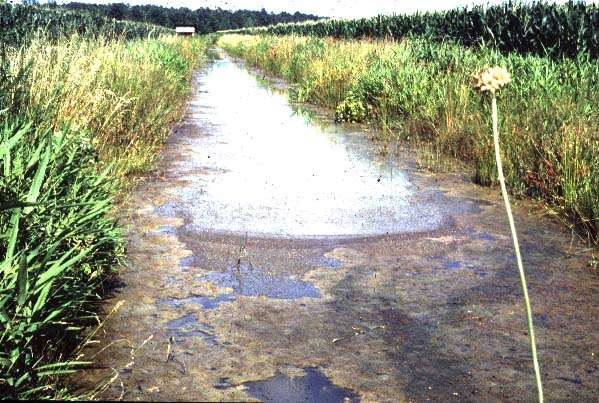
185	30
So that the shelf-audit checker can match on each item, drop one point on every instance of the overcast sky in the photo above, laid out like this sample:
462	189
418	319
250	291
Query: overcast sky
329	8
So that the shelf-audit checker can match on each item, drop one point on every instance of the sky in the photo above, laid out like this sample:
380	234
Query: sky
328	8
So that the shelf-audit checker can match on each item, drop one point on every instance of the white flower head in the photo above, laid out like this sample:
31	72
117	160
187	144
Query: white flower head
492	79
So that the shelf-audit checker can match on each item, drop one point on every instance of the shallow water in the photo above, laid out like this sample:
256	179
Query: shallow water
275	254
210	302
253	281
280	174
188	326
311	387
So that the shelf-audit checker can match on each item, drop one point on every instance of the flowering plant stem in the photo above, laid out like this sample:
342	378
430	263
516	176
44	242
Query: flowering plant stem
508	209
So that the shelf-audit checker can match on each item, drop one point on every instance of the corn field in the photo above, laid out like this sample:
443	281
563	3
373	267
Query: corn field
543	29
20	23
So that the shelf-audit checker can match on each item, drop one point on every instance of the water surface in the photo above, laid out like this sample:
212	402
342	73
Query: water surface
281	174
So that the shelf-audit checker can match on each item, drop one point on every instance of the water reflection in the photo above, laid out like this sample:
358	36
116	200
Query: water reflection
283	175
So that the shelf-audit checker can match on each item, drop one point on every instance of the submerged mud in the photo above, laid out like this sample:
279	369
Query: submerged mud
277	255
311	387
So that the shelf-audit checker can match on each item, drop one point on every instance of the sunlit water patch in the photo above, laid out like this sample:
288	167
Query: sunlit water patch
283	175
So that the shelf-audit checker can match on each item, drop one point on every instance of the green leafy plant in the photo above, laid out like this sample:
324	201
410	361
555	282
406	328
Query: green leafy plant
351	109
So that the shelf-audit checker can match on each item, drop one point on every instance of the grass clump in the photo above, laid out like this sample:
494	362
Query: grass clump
125	93
419	89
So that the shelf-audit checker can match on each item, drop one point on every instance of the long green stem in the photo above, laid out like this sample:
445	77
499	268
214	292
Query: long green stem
531	332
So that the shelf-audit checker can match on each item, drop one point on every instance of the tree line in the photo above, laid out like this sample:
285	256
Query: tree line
205	20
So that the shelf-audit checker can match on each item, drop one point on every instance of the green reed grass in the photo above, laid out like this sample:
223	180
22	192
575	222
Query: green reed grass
126	93
77	115
420	89
57	248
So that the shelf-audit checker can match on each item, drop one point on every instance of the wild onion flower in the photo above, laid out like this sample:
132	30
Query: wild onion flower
492	80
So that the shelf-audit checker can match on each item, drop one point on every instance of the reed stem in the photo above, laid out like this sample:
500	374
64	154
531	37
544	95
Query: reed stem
508	209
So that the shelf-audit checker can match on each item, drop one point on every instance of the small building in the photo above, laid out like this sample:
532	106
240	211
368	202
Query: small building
185	31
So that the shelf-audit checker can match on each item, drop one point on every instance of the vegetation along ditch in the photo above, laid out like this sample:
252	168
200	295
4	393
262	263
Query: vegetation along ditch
421	89
81	110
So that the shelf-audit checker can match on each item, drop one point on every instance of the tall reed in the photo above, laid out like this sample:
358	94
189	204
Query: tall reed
77	115
60	245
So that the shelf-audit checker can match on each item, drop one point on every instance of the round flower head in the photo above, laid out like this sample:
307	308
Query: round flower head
492	79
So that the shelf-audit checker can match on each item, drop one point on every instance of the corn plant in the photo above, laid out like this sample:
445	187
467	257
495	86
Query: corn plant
539	28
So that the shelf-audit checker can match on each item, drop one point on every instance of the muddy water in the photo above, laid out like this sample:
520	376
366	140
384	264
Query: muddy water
277	256
280	175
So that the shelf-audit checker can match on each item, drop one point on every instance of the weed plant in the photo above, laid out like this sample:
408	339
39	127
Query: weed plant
490	81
